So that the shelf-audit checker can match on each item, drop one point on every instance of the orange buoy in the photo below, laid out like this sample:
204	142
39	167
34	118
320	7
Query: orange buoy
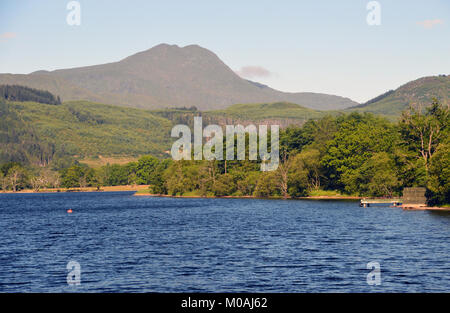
69	211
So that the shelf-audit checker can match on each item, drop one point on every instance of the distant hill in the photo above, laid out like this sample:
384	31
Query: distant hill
280	113
33	132
38	133
283	114
417	93
167	76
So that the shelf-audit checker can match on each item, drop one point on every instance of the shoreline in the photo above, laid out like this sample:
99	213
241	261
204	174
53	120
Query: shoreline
421	207
250	197
139	192
85	189
410	207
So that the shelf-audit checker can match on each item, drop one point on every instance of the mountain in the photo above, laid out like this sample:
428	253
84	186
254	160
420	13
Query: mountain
167	76
417	93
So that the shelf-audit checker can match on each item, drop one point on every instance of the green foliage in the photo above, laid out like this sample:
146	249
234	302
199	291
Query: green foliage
113	175
182	177
421	132
356	154
357	139
264	111
19	141
439	175
224	185
150	170
298	177
267	185
3	182
78	129
416	93
247	182
305	172
146	170
375	177
13	176
77	176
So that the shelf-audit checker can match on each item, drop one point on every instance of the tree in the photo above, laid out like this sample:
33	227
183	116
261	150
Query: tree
37	182
132	173
54	179
359	136
298	177
44	177
3	182
439	176
177	178
283	174
22	93
116	175
147	169
77	176
7	166
101	176
16	177
310	161
224	185
422	132
376	177
294	139
267	185
247	183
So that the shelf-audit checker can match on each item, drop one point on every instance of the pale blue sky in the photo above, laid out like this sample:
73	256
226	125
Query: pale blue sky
317	46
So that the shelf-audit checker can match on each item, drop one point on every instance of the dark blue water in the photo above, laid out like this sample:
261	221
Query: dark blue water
142	244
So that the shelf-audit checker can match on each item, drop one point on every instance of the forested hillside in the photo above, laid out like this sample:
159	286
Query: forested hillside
353	154
418	94
279	113
19	141
34	132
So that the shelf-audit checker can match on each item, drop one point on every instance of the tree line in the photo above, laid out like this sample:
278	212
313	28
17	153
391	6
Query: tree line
353	154
22	93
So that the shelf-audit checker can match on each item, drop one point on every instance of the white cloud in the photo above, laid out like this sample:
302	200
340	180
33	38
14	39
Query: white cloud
7	35
253	71
428	24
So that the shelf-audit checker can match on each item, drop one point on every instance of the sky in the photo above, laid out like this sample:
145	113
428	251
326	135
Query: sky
296	46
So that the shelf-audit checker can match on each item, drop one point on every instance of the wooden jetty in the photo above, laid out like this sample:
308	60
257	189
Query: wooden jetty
367	202
413	199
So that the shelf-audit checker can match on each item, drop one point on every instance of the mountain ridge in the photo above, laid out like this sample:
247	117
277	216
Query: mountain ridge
166	76
417	93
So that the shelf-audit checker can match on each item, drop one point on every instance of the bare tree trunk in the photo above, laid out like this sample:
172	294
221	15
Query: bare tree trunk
283	169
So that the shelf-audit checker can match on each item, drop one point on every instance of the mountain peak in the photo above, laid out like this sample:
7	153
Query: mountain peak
168	75
174	52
